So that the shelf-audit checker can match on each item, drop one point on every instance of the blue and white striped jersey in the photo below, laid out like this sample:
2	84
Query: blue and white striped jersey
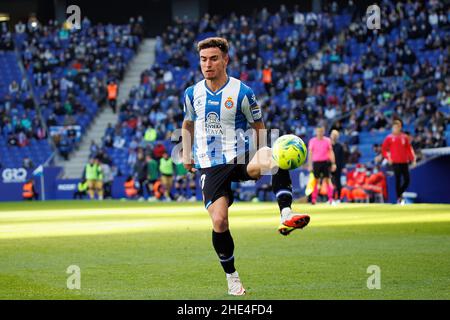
221	119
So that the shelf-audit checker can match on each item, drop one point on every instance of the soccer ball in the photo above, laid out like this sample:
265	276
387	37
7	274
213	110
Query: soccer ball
289	152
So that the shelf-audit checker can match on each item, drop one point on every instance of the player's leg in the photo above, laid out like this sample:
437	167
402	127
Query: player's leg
317	174
99	187
91	189
224	245
398	175
263	163
336	181
329	184
405	174
217	196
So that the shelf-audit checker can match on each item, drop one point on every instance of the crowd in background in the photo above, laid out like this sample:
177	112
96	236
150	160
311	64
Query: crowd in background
307	69
69	71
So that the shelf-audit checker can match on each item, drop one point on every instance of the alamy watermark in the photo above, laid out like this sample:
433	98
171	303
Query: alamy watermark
74	280
374	280
373	14
74	20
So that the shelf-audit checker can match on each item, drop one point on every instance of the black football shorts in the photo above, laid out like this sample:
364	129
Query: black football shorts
322	169
216	181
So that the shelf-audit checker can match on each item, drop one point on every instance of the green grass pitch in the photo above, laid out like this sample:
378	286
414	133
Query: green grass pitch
131	250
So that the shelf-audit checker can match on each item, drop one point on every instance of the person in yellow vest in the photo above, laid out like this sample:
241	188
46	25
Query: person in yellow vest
113	91
99	181
130	188
28	191
82	188
94	178
167	171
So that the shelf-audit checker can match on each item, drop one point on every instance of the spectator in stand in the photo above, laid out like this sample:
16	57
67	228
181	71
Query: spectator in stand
158	151
82	188
267	79
64	147
354	156
12	140
28	191
181	182
376	185
113	92
167	172
399	153
108	179
353	190
130	188
140	173
94	176
93	149
27	163
152	175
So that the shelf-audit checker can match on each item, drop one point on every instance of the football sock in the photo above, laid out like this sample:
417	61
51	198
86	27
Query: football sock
330	191
282	188
224	246
314	194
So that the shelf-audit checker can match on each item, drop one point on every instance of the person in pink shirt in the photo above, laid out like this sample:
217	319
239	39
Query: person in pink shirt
321	162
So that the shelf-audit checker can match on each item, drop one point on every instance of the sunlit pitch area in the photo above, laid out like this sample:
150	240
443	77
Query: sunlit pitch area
65	219
137	250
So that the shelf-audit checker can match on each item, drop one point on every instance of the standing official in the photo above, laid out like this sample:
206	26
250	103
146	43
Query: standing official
399	153
339	155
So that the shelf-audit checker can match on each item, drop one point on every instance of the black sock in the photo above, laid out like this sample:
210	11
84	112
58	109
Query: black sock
224	246
282	188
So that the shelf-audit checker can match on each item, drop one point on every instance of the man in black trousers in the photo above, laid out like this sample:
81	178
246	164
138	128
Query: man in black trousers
339	155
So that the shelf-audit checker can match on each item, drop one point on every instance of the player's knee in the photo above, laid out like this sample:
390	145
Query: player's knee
220	223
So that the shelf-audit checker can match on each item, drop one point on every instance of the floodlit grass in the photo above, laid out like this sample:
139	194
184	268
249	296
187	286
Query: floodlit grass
132	250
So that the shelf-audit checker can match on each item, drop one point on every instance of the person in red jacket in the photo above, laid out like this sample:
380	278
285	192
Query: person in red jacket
376	184
352	191
399	153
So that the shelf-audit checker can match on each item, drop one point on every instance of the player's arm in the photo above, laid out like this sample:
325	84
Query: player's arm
261	133
412	154
332	159
253	114
187	130
187	138
385	149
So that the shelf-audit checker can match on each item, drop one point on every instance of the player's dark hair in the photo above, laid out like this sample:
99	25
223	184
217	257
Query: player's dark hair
214	42
398	122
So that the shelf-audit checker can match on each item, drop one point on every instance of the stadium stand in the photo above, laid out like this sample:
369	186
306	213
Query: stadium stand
305	68
68	70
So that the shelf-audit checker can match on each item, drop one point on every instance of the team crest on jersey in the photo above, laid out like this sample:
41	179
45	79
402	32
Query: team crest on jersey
213	126
229	103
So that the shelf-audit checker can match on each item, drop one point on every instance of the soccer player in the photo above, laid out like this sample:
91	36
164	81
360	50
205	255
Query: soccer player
398	151
217	110
321	160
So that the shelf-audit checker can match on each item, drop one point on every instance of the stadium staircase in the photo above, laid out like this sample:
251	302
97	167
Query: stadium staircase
73	168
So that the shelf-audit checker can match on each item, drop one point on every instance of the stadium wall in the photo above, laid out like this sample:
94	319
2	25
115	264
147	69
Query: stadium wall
429	181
